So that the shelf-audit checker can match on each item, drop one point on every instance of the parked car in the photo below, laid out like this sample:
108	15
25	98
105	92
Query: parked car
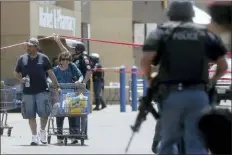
223	86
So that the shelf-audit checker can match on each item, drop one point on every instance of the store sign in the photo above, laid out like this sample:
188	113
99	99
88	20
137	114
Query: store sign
52	18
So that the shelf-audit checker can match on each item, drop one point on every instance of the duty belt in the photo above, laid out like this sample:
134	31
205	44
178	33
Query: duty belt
180	86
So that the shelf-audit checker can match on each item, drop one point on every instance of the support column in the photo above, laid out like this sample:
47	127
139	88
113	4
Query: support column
112	20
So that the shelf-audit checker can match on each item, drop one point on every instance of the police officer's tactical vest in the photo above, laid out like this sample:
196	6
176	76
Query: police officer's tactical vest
183	53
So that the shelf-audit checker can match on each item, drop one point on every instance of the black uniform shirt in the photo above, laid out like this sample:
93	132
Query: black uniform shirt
83	64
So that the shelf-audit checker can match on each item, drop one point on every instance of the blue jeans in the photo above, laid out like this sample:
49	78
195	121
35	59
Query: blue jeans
180	114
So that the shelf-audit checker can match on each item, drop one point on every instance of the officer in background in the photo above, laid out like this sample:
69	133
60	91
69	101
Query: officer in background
79	58
98	81
182	50
82	61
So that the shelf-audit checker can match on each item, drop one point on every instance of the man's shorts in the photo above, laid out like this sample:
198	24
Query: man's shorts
38	103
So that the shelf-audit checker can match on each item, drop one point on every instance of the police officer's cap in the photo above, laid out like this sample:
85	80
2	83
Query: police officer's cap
181	9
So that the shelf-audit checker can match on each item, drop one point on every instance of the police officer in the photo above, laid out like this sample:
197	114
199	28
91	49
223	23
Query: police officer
182	49
82	61
98	81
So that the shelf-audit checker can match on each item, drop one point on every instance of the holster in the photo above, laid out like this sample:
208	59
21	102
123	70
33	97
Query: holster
161	92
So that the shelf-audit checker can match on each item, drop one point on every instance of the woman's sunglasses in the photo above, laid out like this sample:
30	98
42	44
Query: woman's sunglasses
67	59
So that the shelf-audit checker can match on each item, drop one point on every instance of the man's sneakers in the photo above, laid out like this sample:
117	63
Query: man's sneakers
43	136
35	140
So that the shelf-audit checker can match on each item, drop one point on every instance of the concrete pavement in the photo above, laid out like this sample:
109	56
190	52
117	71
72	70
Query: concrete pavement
108	132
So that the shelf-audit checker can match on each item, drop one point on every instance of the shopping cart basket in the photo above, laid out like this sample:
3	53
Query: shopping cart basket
66	105
8	101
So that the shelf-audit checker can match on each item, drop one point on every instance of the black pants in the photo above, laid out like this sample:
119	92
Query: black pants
97	87
73	127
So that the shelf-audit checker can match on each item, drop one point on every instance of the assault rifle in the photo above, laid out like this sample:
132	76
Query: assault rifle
145	107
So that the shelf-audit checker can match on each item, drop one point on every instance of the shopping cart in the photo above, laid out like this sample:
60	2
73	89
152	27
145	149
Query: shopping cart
8	101
74	109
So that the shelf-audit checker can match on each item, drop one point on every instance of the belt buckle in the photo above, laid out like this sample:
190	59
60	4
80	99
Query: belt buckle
180	87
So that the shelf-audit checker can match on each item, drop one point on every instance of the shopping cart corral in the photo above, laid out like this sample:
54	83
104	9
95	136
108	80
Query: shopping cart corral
8	101
71	101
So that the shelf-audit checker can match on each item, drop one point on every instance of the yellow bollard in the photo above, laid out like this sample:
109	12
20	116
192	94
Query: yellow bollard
91	93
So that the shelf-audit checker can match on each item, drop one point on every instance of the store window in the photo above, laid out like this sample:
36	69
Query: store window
48	2
138	32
